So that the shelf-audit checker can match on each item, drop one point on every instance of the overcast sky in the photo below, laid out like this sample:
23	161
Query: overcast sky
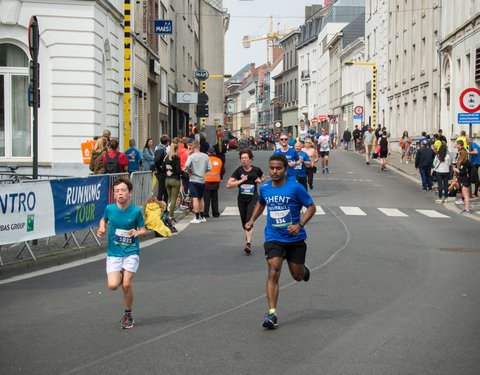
251	17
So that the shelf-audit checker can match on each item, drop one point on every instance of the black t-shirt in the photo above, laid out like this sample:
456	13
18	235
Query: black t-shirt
248	189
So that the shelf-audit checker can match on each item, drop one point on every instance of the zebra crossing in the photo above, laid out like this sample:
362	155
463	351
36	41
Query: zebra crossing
358	211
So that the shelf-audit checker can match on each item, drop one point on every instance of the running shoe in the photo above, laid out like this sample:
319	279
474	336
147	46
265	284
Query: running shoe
323	170
465	212
174	230
311	187
406	162
306	277
326	169
195	221
438	200
270	321
203	220
459	201
126	322
248	249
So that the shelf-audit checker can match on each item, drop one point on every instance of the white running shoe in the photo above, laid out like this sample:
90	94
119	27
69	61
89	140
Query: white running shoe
406	162
459	201
195	221
203	220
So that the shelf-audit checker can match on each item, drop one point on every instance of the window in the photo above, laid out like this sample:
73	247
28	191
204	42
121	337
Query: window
15	115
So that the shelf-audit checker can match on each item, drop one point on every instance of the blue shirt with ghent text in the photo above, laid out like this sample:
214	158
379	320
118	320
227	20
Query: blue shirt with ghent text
291	155
120	243
283	209
300	169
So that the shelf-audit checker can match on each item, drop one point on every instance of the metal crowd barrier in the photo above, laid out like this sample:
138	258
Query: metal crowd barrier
142	187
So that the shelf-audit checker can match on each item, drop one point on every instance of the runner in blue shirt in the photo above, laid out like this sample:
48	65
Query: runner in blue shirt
134	157
474	151
125	224
300	171
284	232
292	157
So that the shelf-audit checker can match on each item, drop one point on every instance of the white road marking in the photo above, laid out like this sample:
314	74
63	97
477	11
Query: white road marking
352	211
319	211
432	213
394	212
230	211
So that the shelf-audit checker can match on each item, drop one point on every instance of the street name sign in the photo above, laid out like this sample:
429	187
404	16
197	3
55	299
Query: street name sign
163	27
357	117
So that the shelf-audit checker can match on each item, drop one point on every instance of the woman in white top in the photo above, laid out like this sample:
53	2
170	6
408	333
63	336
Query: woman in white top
441	165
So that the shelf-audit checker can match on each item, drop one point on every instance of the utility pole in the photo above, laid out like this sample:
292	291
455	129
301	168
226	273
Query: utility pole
34	92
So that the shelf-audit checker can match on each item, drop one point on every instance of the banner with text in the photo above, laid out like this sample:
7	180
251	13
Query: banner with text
26	212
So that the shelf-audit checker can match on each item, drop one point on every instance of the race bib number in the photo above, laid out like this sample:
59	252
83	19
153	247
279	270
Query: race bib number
247	189
281	218
123	238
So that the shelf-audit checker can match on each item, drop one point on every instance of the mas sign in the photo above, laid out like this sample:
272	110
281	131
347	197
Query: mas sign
163	27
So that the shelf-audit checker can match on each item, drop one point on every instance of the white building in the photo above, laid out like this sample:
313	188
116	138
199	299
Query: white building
81	80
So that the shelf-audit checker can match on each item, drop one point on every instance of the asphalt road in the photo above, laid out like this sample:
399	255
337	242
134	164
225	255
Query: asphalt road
387	295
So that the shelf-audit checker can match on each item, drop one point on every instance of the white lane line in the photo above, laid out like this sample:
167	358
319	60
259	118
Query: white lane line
230	211
432	213
395	212
352	211
319	211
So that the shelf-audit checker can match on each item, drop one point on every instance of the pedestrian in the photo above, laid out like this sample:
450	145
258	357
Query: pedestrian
347	136
302	132
159	156
204	145
197	165
404	142
292	157
107	134
311	132
148	156
463	137
313	155
463	170
212	184
134	157
96	160
323	143
385	150
246	177
220	151
173	173
284	233
184	153
368	142
474	151
125	225
291	140
301	175
114	161
441	136
424	162
356	137
441	165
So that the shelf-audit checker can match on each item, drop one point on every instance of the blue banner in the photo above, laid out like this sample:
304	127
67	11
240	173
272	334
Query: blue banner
469	118
79	203
163	26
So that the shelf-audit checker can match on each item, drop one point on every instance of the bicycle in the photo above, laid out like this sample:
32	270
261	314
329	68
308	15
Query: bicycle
14	177
412	153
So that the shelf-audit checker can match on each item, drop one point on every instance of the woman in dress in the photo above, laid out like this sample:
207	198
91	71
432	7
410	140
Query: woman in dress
96	161
246	177
405	143
148	155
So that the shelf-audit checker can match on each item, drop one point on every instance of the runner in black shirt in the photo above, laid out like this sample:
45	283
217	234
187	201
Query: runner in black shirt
246	178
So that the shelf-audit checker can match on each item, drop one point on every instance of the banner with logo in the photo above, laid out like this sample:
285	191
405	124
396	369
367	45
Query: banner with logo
26	212
79	203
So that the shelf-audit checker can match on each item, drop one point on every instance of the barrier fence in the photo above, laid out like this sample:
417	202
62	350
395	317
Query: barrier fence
45	208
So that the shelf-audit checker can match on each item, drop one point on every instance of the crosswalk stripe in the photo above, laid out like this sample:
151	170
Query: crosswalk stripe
394	212
432	213
319	211
352	211
231	211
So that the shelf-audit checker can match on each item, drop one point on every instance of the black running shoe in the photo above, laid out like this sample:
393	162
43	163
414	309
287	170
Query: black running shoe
126	322
270	321
306	277
248	249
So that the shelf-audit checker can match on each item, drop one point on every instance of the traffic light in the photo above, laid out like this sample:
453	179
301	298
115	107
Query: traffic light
202	110
202	98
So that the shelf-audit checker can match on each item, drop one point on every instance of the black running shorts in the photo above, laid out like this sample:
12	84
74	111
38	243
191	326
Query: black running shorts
324	153
293	252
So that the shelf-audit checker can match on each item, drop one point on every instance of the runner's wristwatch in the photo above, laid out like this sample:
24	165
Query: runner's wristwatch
301	224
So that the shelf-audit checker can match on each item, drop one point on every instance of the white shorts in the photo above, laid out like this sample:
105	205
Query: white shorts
129	263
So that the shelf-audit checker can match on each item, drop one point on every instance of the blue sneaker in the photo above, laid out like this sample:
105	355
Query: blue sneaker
270	321
465	212
306	277
323	170
327	170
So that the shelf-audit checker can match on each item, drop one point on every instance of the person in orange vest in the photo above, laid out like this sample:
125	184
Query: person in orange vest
212	184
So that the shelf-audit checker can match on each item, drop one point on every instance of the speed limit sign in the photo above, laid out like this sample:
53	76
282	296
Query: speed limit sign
358	110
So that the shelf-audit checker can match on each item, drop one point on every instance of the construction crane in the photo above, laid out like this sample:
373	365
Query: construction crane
272	38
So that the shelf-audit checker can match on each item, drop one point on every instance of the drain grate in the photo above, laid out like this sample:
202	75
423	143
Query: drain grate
459	250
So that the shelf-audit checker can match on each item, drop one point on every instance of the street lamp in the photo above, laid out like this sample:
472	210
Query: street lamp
374	88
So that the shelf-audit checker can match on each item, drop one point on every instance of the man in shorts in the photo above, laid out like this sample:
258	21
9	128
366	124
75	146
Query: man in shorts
292	157
284	232
125	224
197	164
324	149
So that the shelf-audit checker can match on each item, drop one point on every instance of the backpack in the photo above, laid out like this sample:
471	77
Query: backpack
111	164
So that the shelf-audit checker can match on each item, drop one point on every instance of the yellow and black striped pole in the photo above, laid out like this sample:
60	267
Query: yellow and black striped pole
126	71
203	90
374	96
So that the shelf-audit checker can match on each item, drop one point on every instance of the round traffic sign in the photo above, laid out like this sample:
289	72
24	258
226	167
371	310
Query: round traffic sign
202	74
470	100
358	110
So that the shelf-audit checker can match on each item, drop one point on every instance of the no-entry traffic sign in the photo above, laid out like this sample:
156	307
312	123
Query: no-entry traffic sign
470	100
